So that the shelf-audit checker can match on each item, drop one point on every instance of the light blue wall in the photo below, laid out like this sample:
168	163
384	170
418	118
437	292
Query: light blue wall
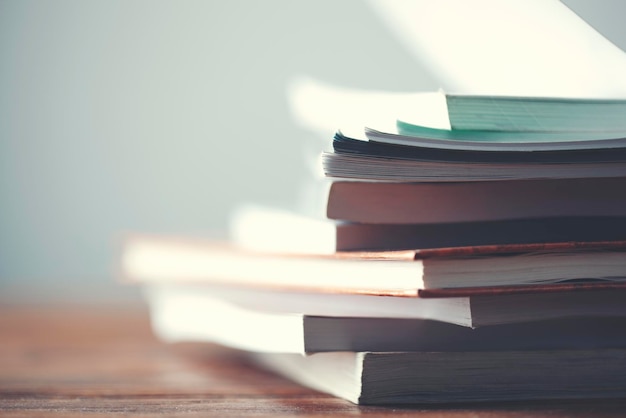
161	116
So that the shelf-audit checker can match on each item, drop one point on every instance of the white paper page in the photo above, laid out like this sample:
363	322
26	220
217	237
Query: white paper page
508	47
327	108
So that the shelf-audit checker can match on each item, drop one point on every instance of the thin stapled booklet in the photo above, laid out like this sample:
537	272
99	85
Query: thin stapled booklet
183	313
410	134
472	311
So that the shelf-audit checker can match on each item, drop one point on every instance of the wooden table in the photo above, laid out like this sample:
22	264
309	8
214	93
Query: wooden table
96	360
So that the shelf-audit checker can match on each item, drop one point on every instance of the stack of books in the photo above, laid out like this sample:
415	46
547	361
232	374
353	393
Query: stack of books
485	262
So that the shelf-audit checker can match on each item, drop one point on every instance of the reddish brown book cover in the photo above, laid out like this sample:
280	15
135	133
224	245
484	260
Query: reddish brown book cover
406	203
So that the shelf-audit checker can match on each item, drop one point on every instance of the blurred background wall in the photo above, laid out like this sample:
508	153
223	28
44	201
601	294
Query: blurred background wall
162	116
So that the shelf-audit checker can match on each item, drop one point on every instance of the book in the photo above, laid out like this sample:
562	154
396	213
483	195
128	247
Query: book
405	203
184	314
536	114
569	120
268	229
452	377
373	161
423	119
406	133
596	152
472	311
391	273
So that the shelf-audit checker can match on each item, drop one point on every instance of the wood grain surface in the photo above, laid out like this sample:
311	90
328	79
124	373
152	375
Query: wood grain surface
103	360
